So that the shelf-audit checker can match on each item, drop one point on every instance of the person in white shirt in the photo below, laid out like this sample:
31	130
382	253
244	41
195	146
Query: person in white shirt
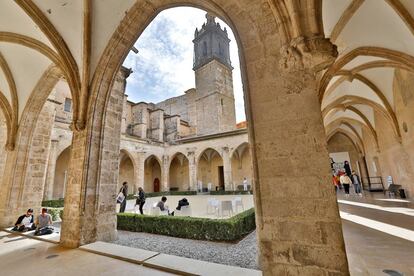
245	184
25	222
346	182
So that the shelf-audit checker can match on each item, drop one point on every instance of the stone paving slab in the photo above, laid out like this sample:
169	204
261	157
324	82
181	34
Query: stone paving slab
54	237
177	264
20	255
125	253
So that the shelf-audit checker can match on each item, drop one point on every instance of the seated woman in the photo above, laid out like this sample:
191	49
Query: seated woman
44	223
25	222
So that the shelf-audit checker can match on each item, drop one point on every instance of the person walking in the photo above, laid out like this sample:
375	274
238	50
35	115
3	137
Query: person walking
335	182
140	200
124	191
345	181
347	169
357	183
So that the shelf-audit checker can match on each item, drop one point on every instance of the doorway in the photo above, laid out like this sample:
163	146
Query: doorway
221	177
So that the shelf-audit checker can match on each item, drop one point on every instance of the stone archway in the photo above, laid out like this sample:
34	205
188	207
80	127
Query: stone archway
179	173
61	174
241	165
16	189
285	124
127	172
210	170
152	174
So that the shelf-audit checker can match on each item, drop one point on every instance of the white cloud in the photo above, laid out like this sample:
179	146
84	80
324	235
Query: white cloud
163	66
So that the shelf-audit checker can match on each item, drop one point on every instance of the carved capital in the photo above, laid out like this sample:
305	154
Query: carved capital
302	53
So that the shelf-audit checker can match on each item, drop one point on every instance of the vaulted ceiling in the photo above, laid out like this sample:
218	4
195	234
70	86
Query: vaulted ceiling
374	37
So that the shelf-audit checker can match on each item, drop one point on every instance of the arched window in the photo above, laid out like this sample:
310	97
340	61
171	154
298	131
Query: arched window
204	48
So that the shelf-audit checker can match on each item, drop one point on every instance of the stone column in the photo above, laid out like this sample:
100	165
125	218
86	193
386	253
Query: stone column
90	198
140	173
51	167
192	171
165	174
228	179
298	224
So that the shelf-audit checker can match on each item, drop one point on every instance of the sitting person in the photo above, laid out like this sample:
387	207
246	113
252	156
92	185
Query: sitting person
44	223
25	222
181	203
161	204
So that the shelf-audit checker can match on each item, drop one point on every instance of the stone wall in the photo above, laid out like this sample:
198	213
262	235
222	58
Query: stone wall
396	158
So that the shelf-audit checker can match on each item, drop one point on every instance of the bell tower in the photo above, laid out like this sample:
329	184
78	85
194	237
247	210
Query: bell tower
214	79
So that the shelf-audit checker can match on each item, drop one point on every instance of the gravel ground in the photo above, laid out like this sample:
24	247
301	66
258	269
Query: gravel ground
242	254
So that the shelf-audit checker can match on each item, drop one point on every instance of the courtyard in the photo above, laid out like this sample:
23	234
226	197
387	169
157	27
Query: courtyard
287	99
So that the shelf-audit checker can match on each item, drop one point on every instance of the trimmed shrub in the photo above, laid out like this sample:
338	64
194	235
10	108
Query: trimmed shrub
57	203
61	213
231	229
157	194
54	212
230	192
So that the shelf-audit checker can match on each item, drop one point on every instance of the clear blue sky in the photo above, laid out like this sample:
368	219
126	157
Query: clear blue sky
163	66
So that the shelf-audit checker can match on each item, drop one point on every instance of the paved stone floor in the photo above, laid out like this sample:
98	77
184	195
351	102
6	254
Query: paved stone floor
23	256
371	248
379	236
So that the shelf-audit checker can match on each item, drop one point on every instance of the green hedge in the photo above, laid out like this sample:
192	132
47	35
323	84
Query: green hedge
157	194
55	213
230	192
231	229
57	203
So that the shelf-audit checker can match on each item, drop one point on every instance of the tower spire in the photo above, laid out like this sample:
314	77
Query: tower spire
211	43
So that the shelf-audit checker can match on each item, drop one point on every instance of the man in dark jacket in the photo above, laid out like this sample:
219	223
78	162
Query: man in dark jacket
25	222
140	200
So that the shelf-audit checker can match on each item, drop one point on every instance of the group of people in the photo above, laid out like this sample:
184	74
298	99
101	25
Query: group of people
140	201
122	198
181	203
42	224
342	179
